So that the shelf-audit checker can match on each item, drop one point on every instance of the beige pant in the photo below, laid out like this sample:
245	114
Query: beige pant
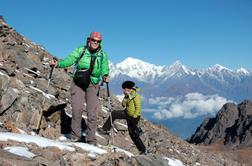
78	97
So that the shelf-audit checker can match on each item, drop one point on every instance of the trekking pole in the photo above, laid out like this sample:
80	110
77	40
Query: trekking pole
46	91
110	114
48	83
98	93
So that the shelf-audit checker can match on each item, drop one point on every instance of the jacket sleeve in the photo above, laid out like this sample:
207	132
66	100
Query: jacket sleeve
105	65
70	59
138	106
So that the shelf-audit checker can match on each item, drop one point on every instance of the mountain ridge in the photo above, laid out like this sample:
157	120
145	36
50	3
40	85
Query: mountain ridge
231	127
131	66
231	84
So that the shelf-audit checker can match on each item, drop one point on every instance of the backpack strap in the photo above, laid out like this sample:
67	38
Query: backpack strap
102	55
78	60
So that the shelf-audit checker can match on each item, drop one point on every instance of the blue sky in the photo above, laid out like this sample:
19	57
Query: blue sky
199	33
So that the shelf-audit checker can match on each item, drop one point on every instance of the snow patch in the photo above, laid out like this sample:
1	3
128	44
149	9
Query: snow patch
62	138
89	148
37	73
40	141
20	151
44	142
21	131
27	75
47	95
174	162
3	74
27	45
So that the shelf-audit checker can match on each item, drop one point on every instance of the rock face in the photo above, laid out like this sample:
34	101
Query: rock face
231	127
24	69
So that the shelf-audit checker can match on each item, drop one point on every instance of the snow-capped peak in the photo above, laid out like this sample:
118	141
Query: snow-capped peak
133	63
177	63
178	67
219	68
242	71
139	69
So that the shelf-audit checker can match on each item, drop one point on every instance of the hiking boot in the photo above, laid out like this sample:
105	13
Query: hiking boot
82	139
102	131
92	143
75	138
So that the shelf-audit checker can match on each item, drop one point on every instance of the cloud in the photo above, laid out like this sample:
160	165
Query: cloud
191	105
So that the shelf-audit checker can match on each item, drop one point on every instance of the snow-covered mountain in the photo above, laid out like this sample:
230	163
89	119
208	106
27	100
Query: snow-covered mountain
147	72
177	79
134	69
175	93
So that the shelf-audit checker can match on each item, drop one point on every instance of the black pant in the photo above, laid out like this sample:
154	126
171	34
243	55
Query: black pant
132	127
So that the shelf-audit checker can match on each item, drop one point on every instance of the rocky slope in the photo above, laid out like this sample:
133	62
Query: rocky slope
231	127
24	69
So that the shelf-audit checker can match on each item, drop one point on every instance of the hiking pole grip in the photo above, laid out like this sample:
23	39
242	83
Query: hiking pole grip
109	100
51	71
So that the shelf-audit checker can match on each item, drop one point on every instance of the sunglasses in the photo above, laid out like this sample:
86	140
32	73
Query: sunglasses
95	41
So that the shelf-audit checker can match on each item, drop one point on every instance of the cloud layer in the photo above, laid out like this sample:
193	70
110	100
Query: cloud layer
188	106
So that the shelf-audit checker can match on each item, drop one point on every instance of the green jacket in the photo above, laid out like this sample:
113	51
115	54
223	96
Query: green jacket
133	103
101	66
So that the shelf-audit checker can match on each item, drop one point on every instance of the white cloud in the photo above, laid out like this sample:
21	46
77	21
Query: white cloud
188	106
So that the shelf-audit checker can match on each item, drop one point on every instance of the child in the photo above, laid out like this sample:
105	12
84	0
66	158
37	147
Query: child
132	112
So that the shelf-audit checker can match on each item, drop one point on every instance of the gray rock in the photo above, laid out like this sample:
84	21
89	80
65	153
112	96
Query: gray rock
151	160
4	81
9	96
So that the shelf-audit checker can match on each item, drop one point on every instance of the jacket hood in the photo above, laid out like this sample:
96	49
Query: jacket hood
136	89
133	93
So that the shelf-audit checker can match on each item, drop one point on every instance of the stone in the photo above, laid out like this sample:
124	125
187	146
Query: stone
9	96
4	82
24	117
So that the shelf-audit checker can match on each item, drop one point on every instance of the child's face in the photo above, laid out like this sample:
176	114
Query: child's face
126	91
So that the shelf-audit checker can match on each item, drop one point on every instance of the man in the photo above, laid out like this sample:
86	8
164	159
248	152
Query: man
94	60
132	113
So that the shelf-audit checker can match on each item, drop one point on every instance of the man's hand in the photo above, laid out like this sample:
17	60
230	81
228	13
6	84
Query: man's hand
53	62
105	78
